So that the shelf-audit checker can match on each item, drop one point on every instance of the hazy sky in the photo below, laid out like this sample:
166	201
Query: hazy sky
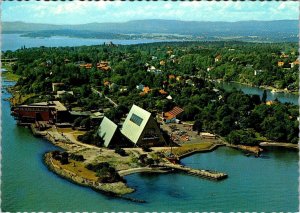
77	12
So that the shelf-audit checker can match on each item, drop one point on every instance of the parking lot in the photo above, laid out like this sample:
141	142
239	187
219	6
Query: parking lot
184	134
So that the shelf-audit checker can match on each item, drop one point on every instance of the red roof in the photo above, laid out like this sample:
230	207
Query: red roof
173	113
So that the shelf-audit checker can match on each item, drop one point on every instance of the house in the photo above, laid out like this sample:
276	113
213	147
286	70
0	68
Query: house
162	63
190	82
57	86
110	133
66	61
106	83
294	63
52	112
283	55
170	117
141	128
269	103
280	63
86	66
172	56
146	90
63	92
169	97
154	70
171	77
140	87
208	135
179	78
209	69
218	58
123	89
113	87
103	65
163	92
257	72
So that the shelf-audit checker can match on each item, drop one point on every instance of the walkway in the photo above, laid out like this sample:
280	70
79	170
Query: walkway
109	99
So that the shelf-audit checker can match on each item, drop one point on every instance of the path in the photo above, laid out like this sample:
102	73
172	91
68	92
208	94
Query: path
109	99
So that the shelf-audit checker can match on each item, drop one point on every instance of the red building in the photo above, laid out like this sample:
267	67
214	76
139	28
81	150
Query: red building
52	112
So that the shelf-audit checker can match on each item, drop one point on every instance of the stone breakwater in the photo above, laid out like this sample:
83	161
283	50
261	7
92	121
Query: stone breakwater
117	189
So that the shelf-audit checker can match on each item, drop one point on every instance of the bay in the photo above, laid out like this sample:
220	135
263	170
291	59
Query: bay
16	41
281	96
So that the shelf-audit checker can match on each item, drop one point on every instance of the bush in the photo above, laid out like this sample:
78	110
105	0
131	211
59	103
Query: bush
146	149
77	157
120	151
243	137
64	158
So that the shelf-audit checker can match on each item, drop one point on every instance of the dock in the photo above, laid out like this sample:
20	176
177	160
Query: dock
208	174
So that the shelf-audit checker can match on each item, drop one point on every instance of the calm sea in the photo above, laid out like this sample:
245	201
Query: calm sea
264	184
15	41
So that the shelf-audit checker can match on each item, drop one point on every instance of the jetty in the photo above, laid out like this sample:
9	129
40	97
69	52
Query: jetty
208	174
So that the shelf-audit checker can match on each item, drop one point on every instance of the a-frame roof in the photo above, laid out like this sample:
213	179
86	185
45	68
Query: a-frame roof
106	130
135	123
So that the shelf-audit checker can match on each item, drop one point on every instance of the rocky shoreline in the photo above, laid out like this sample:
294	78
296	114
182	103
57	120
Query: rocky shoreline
278	144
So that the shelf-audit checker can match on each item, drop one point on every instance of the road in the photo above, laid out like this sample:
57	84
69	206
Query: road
109	99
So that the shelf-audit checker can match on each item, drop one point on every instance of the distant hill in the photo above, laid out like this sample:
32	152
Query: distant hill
195	28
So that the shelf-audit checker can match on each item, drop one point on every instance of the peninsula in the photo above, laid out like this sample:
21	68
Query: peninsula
117	110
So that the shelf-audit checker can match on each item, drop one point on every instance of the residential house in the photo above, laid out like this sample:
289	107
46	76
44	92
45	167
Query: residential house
218	58
283	55
162	63
63	92
154	70
146	90
140	87
280	63
171	77
106	83
104	66
141	128
163	92
296	62
170	117
86	66
66	61
57	86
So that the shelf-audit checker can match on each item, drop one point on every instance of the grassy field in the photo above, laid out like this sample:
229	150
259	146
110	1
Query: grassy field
78	168
203	146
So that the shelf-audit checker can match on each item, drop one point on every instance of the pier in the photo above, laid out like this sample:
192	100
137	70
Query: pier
209	174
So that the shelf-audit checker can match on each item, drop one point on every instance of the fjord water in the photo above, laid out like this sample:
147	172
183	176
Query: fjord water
15	41
264	184
281	96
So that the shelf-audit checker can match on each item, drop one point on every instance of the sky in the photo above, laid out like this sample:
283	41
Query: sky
81	12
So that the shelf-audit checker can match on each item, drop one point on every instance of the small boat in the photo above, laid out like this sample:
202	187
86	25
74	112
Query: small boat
273	91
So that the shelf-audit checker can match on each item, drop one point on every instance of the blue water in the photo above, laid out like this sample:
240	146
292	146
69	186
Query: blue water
281	96
15	41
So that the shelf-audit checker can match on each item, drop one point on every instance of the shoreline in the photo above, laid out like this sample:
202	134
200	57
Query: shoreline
279	144
266	87
76	179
